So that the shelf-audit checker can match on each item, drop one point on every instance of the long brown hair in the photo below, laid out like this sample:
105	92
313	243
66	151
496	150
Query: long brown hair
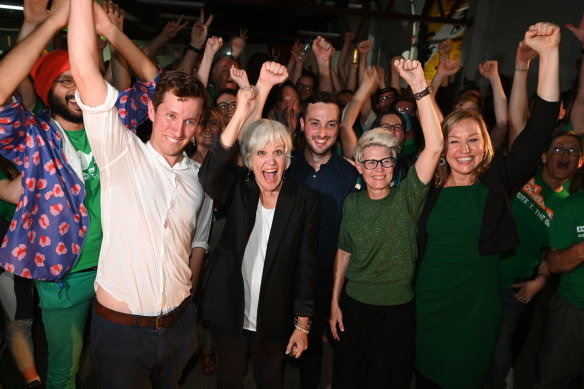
443	170
8	168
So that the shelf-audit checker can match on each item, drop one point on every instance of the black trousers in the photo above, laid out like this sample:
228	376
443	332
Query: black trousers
311	359
376	349
233	352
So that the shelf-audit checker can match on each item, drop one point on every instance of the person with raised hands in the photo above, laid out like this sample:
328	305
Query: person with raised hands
577	112
169	31
194	51
490	70
56	231
458	299
143	323
372	310
263	272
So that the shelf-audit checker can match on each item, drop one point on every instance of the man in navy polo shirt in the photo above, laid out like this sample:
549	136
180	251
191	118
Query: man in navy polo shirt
318	167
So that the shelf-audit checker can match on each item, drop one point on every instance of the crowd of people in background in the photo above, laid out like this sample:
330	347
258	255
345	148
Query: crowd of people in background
250	211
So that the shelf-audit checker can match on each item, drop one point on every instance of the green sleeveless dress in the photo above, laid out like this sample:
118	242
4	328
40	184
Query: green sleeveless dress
458	302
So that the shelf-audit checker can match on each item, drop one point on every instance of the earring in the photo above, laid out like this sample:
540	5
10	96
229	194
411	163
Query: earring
248	177
442	161
193	141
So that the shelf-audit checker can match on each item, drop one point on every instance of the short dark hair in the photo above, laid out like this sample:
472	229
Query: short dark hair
225	91
385	90
181	85
319	97
570	133
377	122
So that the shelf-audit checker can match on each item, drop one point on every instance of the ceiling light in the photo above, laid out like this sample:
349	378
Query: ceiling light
12	7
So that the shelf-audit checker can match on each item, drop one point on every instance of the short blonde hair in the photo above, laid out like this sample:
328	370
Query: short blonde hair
375	137
261	132
442	172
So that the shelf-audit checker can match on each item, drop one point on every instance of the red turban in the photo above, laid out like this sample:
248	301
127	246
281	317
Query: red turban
46	70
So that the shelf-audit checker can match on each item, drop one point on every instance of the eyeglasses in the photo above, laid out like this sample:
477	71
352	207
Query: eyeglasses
306	87
371	164
392	127
67	83
571	151
383	99
407	109
226	106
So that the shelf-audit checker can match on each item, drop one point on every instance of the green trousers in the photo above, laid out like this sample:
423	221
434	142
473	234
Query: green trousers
65	311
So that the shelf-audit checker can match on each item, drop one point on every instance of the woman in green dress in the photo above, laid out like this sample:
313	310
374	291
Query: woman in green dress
465	226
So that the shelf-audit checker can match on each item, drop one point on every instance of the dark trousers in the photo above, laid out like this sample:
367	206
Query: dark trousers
130	356
376	349
311	359
233	352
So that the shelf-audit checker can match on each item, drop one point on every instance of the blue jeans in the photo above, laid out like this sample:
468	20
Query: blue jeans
130	356
503	356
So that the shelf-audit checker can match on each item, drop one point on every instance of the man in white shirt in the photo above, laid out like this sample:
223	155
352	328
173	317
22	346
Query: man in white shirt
155	222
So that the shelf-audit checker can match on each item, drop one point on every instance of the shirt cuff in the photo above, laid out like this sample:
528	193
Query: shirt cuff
110	101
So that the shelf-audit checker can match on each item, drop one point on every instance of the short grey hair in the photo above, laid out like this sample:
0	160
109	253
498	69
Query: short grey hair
375	137
261	132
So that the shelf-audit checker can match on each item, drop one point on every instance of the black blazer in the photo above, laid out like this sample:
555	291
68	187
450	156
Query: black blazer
291	264
504	178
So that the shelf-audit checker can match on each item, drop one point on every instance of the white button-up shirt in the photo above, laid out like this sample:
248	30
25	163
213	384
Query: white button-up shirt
152	215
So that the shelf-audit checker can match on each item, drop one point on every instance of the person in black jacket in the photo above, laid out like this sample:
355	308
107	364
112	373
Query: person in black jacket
261	277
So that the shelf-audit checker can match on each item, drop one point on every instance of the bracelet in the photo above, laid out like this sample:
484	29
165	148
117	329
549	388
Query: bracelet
301	329
306	322
520	70
193	48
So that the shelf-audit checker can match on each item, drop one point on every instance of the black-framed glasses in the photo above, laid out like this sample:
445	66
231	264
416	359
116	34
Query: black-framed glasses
226	106
392	127
306	87
66	83
560	149
371	164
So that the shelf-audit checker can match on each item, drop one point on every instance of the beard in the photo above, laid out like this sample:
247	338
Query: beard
60	108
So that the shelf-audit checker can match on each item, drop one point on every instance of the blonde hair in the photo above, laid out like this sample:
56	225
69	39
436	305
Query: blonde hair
261	132
375	137
443	171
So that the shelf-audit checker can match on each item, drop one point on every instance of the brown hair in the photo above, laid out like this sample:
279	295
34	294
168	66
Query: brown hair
443	170
181	85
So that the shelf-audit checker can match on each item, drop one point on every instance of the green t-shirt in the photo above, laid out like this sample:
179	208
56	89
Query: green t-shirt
566	230
380	235
90	253
533	208
6	209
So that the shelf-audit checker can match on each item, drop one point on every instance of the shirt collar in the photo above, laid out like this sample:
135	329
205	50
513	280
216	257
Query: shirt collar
185	163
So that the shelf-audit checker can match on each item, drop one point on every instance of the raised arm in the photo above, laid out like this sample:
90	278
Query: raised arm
394	81
490	70
195	49
144	68
238	44
16	65
246	104
120	74
446	68
323	52
272	73
83	52
354	107
544	38
413	73
577	113
518	101
35	12
169	31
211	48
444	49
342	61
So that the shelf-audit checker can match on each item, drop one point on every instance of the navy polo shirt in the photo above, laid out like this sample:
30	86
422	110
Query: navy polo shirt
333	182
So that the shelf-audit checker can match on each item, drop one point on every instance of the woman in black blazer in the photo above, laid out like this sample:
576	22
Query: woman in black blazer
261	277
